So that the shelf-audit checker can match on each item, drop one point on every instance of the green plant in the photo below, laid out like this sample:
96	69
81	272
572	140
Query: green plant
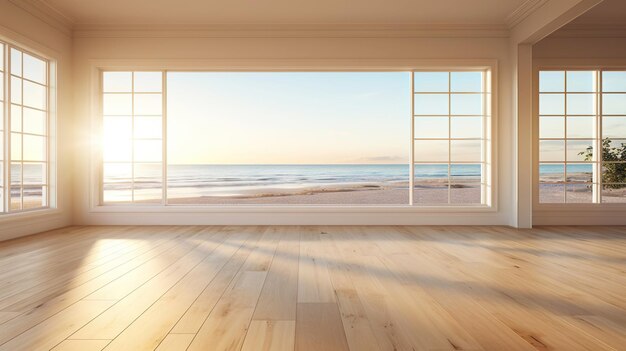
612	172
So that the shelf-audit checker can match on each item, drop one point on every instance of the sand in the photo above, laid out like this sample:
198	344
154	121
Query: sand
363	194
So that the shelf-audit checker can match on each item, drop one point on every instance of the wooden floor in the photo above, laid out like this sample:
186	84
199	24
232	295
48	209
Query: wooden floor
314	288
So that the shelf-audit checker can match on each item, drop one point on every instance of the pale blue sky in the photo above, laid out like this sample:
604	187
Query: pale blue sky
288	117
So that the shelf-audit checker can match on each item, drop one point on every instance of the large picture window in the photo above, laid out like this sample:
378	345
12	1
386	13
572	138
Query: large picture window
24	126
582	136
304	138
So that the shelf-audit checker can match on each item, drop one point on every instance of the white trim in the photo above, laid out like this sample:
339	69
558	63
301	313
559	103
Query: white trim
285	65
523	11
571	213
47	13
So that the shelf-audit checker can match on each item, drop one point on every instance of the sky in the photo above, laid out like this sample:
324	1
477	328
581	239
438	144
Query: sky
288	117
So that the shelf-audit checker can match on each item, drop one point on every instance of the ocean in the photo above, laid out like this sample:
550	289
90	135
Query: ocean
234	180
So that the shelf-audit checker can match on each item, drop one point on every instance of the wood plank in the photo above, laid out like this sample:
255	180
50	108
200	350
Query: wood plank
81	345
278	298
148	330
319	327
270	336
176	342
313	278
227	324
54	330
115	320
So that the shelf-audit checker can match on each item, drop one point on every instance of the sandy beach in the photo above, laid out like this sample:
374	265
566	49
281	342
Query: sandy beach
362	194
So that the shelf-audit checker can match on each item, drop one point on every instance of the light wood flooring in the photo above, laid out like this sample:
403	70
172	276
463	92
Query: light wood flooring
314	288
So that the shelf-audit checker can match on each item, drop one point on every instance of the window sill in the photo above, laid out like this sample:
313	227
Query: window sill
31	214
290	209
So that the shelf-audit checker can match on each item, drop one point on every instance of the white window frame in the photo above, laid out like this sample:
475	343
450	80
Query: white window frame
485	139
239	65
49	181
597	204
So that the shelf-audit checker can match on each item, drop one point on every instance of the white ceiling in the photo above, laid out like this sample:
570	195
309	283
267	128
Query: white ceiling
193	12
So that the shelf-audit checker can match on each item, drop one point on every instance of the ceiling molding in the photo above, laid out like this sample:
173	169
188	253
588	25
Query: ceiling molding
293	31
525	10
45	12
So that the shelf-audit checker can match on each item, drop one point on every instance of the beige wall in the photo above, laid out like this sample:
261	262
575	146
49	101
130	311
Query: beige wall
18	26
114	50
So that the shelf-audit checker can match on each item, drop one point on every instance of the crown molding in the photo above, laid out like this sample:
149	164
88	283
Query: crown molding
292	31
45	12
525	10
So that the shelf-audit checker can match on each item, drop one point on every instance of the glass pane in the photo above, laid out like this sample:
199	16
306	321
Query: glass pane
34	69
1	57
431	81
16	62
113	193
148	127
614	173
551	127
2	98
614	127
430	191
116	128
431	150
148	104
551	173
552	150
614	193
580	127
16	90
431	104
35	173
614	81
35	95
16	118
16	173
467	104
614	104
580	150
148	150
551	193
34	121
467	127
34	148
117	173
614	150
581	81
580	173
467	82
466	173
117	82
34	197
431	127
552	104
117	179
16	198
551	81
117	104
148	182
149	82
579	193
581	104
465	193
466	151
16	146
119	150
